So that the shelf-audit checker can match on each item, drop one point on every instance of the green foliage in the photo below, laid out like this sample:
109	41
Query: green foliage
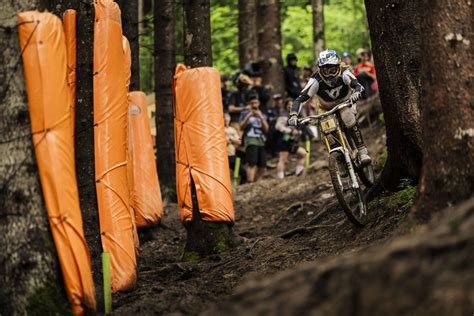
381	118
221	247
380	164
297	33
403	198
225	50
190	256
345	30
345	26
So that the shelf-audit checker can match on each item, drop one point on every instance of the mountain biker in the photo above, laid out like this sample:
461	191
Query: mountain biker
333	85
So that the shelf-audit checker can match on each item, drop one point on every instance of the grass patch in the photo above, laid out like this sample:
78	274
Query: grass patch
402	199
380	164
190	256
221	247
381	118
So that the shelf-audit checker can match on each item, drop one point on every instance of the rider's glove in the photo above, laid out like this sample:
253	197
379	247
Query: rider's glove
356	96
293	119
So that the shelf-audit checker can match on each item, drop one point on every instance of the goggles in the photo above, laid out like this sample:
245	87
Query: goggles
329	70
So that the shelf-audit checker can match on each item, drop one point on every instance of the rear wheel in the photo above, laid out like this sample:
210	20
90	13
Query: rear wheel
351	199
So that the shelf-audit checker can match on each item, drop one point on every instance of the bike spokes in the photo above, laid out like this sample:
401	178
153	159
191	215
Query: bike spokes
348	194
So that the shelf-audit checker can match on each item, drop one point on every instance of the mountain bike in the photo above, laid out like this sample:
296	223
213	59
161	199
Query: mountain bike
344	166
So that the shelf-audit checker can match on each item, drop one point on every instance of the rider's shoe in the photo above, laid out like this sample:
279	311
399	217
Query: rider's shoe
364	157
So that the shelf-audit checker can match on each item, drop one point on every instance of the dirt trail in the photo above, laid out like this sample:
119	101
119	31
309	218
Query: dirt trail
264	212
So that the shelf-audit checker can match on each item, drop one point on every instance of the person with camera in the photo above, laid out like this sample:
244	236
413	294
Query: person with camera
236	103
288	142
254	126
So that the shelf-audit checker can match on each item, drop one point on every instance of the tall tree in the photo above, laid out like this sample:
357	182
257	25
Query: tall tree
29	271
319	43
84	141
165	64
84	131
130	22
140	19
269	44
147	6
395	33
203	237
248	45
197	33
447	106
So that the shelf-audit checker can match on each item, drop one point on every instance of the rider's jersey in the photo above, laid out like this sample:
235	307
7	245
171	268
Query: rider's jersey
328	96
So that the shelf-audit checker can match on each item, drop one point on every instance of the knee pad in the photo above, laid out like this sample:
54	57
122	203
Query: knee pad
348	117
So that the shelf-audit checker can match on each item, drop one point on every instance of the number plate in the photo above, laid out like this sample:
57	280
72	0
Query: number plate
328	125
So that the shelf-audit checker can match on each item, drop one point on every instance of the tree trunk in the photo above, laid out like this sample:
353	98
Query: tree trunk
148	6
319	43
206	238
165	64
269	44
203	238
248	47
30	276
447	111
57	6
197	33
84	142
395	33
140	20
129	10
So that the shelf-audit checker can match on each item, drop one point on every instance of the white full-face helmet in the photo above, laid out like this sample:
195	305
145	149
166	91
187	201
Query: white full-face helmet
329	64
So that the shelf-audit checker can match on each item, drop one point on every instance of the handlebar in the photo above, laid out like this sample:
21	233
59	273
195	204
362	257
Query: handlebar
307	119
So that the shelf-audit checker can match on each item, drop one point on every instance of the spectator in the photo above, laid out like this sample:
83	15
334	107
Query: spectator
365	72
237	99
264	95
347	59
305	75
288	143
272	116
254	126
225	91
233	141
292	77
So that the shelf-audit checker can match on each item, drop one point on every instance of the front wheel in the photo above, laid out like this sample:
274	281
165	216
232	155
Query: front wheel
366	175
351	200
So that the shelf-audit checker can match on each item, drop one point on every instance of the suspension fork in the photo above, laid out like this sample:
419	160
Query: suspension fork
343	149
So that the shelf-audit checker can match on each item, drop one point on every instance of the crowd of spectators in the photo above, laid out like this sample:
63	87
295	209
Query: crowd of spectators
256	117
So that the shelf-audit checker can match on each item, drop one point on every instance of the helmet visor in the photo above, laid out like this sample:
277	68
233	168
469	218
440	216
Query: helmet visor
329	71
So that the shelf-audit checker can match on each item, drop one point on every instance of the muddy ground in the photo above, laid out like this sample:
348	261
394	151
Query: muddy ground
265	213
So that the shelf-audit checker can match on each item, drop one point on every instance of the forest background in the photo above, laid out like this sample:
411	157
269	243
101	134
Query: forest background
345	29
